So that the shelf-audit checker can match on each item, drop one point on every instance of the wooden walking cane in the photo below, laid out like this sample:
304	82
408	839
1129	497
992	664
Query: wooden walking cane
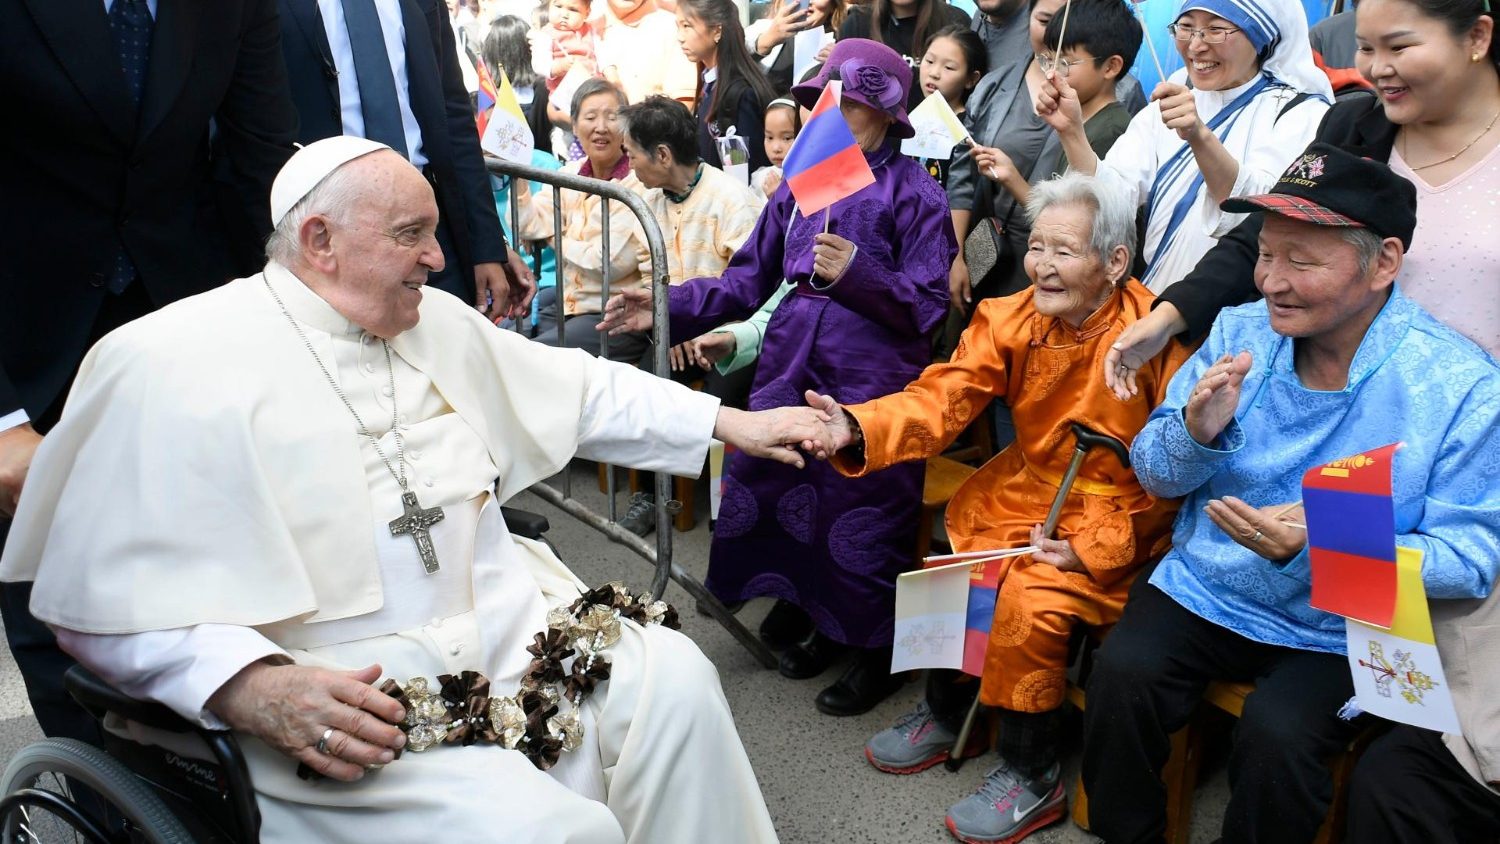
1085	440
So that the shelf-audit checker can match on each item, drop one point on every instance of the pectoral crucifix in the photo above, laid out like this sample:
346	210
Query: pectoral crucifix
416	522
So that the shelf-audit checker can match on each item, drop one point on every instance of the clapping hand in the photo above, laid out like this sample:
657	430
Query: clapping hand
627	311
1259	529
1178	109
703	351
1215	397
293	707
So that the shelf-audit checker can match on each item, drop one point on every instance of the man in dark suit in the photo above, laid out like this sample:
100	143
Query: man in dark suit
388	70
138	158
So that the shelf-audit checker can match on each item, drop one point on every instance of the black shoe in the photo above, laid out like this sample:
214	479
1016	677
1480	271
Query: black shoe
867	682
640	516
785	625
811	656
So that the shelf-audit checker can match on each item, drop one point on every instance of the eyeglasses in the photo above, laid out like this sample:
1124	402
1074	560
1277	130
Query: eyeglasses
1210	34
1063	66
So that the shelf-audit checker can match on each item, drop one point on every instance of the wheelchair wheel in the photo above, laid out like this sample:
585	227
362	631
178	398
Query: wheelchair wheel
66	790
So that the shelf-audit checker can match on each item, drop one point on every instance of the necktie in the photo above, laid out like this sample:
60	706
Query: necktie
131	23
372	66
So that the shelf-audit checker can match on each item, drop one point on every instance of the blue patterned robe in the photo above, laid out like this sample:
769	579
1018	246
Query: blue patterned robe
830	544
1413	379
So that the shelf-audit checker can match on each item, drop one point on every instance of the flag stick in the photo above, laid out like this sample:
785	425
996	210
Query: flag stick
827	218
1151	45
972	146
1062	31
978	555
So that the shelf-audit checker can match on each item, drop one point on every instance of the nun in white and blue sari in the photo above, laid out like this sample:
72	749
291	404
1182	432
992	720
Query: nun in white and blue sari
1259	98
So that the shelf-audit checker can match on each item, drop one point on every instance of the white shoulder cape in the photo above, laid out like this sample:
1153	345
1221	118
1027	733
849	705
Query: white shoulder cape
204	471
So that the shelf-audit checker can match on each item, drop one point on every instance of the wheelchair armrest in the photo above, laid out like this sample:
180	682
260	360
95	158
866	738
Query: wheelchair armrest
99	697
525	524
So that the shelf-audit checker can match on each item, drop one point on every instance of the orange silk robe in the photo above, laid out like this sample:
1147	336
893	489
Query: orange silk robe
1050	375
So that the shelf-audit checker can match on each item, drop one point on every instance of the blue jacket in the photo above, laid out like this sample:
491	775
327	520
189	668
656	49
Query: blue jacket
1413	379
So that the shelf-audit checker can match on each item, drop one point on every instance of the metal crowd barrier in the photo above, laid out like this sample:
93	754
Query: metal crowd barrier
660	556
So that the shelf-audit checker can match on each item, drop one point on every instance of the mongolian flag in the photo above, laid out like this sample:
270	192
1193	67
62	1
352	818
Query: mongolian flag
1351	536
825	164
984	588
487	98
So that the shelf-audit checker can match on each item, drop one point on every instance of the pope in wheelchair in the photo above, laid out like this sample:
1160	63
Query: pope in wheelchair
274	509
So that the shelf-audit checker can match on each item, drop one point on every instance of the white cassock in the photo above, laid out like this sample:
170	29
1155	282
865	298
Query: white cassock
208	501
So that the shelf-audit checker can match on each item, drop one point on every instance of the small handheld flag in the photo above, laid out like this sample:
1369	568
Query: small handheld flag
507	133
486	99
937	129
825	164
1351	536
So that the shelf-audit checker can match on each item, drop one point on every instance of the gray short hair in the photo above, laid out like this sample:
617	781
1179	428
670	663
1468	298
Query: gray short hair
1367	246
334	197
588	89
1114	214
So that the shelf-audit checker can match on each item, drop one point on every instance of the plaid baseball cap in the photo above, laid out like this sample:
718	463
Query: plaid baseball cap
1328	186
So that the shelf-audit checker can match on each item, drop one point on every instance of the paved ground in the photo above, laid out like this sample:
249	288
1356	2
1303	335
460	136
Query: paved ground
811	767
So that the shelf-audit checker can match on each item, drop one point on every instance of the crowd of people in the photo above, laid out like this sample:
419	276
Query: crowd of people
261	277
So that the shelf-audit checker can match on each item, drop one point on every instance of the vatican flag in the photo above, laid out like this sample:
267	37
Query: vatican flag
507	135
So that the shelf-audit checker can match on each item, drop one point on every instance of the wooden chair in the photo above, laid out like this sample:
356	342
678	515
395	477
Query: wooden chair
1230	697
1180	776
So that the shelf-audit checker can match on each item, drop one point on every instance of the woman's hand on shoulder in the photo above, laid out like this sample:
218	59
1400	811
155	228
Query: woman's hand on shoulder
1141	341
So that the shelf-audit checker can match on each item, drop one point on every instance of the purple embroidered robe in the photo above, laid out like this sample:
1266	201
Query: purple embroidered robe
830	544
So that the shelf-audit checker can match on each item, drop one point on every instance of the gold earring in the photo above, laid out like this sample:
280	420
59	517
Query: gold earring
1474	58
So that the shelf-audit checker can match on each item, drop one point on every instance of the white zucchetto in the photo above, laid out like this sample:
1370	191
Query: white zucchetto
310	165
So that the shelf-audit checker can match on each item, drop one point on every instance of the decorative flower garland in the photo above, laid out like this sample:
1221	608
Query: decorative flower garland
462	712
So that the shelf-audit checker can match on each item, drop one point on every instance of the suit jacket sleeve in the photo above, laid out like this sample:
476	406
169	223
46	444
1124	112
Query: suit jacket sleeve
487	240
257	122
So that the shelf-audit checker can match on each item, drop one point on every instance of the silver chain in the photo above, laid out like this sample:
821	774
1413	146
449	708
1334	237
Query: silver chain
363	429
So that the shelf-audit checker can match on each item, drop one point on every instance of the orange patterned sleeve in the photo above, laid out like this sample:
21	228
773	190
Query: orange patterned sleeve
921	420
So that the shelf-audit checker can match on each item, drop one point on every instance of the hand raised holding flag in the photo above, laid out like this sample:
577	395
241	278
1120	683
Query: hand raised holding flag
1057	103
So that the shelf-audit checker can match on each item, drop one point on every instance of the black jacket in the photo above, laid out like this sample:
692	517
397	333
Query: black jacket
85	172
1225	276
439	101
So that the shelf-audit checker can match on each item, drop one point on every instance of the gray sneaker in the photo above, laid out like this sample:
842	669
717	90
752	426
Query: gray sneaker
1008	807
640	516
915	743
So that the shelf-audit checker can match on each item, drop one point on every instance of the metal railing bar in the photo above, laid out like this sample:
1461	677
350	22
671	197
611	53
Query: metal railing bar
662	557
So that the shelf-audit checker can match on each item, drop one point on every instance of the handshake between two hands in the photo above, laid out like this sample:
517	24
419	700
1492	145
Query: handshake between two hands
786	434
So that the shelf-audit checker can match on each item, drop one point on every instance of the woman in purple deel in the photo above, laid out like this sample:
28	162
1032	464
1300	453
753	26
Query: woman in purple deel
857	326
